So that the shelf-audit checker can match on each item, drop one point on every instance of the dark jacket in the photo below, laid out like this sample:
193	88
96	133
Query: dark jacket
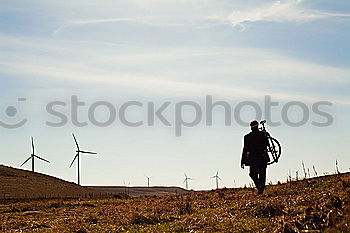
255	149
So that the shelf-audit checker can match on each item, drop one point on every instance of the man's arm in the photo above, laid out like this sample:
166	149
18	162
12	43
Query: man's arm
266	142
244	152
266	145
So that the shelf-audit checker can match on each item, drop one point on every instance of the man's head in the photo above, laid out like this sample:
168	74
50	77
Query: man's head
254	125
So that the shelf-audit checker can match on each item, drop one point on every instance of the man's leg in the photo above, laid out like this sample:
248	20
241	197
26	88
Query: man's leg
254	174
262	179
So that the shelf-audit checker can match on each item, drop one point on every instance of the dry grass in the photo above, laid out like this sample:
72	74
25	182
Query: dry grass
16	183
314	205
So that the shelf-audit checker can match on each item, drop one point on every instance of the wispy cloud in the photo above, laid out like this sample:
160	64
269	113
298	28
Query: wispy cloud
279	11
236	72
82	22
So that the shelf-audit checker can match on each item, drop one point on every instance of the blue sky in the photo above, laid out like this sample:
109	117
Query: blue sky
160	50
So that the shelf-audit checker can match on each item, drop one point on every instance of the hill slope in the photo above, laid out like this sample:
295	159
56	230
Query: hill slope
17	183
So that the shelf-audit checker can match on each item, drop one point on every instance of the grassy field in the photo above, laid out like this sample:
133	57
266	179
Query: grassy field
139	191
313	205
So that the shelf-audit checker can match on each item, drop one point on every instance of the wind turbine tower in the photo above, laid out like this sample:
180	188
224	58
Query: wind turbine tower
186	180
33	156
77	156
148	180
217	178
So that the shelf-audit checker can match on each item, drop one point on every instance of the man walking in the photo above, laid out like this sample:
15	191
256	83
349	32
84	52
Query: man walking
255	155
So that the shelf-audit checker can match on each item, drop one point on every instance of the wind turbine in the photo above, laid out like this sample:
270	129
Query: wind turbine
186	180
77	156
125	187
217	178
33	156
148	179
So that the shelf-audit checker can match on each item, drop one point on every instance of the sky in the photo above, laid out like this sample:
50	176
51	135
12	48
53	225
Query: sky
159	51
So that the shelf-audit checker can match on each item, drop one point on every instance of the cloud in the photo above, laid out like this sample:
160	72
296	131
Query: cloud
191	72
154	21
280	12
82	22
154	13
168	15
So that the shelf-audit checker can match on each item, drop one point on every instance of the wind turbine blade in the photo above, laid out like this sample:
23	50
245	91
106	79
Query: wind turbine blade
42	159
73	160
88	152
213	177
33	149
219	178
76	142
217	172
26	161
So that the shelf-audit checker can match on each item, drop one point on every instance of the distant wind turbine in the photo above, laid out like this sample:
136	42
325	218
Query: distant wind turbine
336	167
186	180
33	156
313	167
148	179
217	178
77	156
125	187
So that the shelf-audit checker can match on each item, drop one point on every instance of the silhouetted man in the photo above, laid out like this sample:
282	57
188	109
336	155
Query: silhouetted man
255	155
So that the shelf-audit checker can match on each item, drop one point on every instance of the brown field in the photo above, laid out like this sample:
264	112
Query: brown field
139	191
312	205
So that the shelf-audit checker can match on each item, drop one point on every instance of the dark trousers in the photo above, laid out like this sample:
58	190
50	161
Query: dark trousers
258	175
